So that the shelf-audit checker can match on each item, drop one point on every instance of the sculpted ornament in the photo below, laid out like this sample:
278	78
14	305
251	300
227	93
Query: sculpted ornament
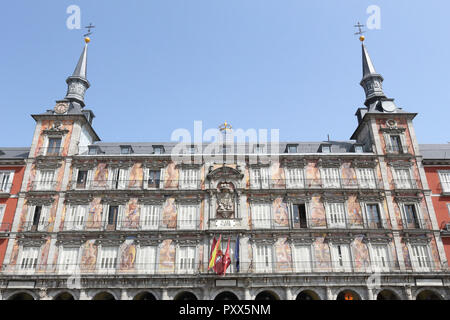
225	200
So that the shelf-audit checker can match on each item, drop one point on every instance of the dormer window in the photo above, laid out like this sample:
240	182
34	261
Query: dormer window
359	148
291	148
325	148
54	146
396	144
158	149
191	149
259	148
126	150
93	150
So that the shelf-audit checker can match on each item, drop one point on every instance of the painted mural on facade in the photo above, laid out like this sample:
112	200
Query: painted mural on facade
43	256
322	255
100	176
171	176
127	256
136	176
94	218
132	215
283	255
361	254
348	175
354	212
169	214
312	174
280	212
88	256
317	212
167	257
277	175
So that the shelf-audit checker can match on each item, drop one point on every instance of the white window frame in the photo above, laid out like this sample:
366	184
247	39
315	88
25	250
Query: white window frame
47	184
403	182
189	178
420	263
341	263
150	216
260	178
331	177
295	177
261	215
336	219
186	253
300	264
108	259
187	216
418	214
43	219
119	178
68	255
263	260
47	143
6	180
76	217
444	179
380	257
146	177
89	178
380	213
120	211
146	259
28	252
2	214
366	178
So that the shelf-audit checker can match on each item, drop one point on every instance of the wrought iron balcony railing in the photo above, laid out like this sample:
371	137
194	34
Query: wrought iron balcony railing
190	267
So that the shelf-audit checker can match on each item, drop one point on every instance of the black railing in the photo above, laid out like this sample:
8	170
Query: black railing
106	267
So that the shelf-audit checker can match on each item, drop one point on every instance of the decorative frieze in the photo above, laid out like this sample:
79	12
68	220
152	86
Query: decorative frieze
370	197
155	200
407	198
332	197
120	164
84	164
329	163
224	172
55	130
40	200
73	199
399	164
154	164
115	199
377	238
48	163
364	163
292	162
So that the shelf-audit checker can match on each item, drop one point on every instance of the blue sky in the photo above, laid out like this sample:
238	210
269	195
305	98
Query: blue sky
158	65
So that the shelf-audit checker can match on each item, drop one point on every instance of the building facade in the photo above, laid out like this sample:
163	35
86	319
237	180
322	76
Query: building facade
437	169
12	167
327	220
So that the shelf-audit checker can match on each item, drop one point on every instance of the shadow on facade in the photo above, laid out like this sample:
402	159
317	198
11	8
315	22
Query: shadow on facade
266	295
185	295
387	295
104	296
21	296
226	295
428	295
348	295
144	296
64	296
307	295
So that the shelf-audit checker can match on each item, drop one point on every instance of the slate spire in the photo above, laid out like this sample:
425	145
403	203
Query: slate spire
371	81
77	83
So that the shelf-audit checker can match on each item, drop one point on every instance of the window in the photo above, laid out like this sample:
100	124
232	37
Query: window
150	217
373	216
108	259
396	144
6	179
325	148
302	262
190	149
82	179
299	216
186	259
119	178
75	217
420	258
259	148
67	260
113	213
187	216
29	259
263	258
260	178
40	218
292	148
93	150
330	177
189	178
444	177
341	258
403	180
54	146
153	179
126	150
380	259
3	227
45	180
410	218
294	177
261	217
359	148
366	178
335	215
146	259
158	149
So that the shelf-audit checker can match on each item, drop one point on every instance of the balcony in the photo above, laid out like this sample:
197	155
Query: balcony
405	184
43	186
50	152
154	184
277	184
414	224
32	226
397	150
246	268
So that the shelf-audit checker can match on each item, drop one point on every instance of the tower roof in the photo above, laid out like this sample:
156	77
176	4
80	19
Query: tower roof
367	64
81	68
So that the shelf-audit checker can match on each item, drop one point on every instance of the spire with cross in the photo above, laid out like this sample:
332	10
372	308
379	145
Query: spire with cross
360	31
86	35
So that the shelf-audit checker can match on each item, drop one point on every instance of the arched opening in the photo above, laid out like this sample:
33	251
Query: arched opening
226	295
64	296
387	295
266	295
104	296
21	296
185	295
348	295
428	295
307	295
144	296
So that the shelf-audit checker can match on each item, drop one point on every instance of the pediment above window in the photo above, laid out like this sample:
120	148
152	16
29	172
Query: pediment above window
225	172
329	163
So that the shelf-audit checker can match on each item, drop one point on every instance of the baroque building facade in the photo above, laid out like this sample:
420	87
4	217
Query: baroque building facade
328	220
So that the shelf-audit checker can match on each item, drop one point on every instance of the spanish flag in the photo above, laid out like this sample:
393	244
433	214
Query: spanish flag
212	260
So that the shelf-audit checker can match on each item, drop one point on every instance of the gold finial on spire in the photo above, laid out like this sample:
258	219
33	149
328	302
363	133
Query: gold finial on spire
86	36
225	126
360	31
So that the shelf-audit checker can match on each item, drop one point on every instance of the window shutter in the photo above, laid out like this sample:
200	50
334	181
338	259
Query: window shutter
147	258
302	258
43	219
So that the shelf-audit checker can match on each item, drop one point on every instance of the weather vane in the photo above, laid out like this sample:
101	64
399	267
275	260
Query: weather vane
360	31
224	127
86	36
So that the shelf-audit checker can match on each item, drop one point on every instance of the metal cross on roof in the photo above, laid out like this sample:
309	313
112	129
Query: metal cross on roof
89	27
224	127
360	30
